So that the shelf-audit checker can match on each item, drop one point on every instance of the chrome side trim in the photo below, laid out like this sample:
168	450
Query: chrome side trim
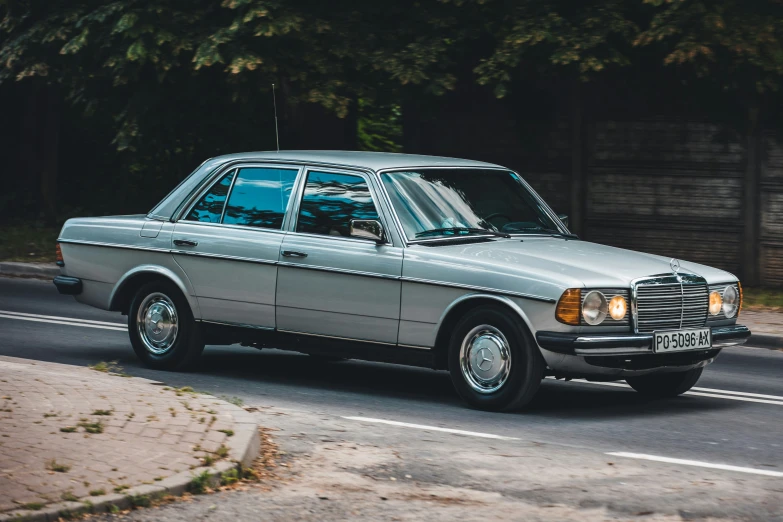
337	270
240	325
478	289
629	350
334	337
233	226
222	256
112	245
414	347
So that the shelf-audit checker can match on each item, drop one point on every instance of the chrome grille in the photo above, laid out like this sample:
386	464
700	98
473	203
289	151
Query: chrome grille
670	306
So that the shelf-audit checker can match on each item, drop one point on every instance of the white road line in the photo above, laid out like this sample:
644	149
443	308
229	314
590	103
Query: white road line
697	463
708	392
431	428
60	318
744	394
734	398
85	325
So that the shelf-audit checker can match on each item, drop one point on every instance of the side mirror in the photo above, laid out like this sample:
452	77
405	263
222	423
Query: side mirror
563	219
368	229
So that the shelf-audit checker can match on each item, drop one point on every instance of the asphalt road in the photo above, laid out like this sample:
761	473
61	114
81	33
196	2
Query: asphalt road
733	418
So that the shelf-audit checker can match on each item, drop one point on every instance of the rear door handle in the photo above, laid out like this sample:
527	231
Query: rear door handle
185	242
291	253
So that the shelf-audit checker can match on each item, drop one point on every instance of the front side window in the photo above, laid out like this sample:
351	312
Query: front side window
210	207
330	201
259	197
454	202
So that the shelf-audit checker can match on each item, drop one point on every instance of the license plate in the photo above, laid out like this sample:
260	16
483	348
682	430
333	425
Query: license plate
682	340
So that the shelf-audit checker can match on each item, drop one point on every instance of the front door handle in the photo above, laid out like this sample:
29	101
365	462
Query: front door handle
185	242
291	253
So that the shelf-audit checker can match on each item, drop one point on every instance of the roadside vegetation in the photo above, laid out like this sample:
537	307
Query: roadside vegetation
762	298
28	243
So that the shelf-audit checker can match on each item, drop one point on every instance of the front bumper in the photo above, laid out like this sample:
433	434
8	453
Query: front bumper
613	356
627	344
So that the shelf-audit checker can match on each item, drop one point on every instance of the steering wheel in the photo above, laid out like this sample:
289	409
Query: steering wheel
497	214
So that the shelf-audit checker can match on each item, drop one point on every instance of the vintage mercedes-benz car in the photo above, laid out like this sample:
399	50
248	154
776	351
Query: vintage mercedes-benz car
437	262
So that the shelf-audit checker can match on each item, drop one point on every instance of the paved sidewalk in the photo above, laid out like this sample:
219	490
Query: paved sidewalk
72	437
766	327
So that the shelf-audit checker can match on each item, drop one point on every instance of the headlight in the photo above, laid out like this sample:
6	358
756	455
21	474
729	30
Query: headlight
730	302
617	307
594	308
716	302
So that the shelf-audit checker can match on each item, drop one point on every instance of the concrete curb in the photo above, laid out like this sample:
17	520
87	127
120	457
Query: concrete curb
37	270
770	342
243	448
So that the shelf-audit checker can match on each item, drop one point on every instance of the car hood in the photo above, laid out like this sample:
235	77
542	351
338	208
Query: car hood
566	263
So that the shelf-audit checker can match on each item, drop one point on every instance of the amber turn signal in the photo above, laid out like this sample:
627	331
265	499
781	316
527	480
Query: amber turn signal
59	253
568	307
739	285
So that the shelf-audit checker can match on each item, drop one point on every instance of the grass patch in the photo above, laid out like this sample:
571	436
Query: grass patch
121	488
33	506
236	401
760	298
70	497
140	501
113	509
97	492
92	427
103	412
28	243
229	433
208	460
229	477
68	429
53	465
200	483
222	452
108	367
47	415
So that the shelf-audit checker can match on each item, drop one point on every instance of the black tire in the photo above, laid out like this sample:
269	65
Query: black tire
664	385
187	344
524	374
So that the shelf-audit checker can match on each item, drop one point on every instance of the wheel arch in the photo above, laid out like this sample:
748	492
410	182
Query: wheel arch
131	281
460	307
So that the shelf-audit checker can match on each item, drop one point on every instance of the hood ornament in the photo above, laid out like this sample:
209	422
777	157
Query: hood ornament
675	265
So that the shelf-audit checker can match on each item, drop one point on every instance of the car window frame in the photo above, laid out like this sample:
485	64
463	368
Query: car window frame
218	175
378	200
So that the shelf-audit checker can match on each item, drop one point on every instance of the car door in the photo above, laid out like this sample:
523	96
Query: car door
228	243
331	284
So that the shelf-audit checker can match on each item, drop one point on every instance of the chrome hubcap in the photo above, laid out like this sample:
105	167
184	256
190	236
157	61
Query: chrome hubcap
157	323
485	359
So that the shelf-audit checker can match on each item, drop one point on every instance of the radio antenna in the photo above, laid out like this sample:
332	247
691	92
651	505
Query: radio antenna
277	134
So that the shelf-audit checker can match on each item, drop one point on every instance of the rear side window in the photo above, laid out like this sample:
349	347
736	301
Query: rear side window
259	197
210	207
331	201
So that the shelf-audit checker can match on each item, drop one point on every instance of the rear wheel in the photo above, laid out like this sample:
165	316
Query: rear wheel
662	385
493	361
162	329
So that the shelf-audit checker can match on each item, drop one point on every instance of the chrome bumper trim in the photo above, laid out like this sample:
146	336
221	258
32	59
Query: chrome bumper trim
630	344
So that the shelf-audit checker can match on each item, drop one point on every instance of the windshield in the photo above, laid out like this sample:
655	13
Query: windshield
436	203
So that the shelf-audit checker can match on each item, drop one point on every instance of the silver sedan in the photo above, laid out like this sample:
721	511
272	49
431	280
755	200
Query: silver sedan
436	262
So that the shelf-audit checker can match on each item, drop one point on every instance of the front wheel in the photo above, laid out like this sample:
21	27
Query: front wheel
663	385
162	329
493	361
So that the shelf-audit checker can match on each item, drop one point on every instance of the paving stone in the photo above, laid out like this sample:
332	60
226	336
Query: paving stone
130	451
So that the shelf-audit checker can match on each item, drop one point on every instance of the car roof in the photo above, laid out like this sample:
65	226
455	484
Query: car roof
361	159
374	161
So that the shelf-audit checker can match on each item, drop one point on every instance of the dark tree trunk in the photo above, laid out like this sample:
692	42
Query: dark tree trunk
50	152
751	199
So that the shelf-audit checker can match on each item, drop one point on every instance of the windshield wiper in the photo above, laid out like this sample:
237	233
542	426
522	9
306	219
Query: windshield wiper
457	230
